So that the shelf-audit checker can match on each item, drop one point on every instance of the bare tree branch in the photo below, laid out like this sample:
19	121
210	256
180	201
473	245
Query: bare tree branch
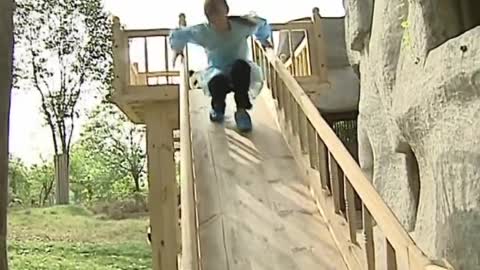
48	117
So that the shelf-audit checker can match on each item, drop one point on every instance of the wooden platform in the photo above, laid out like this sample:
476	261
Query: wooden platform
254	210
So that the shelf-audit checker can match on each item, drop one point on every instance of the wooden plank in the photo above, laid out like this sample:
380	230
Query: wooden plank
209	206
296	25
154	32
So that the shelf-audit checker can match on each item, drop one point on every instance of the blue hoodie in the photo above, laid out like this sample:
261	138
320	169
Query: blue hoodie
223	49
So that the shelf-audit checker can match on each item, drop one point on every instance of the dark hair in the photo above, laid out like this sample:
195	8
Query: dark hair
212	6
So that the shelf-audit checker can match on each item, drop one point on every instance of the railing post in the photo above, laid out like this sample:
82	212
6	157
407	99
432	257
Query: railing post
190	250
317	48
120	57
162	191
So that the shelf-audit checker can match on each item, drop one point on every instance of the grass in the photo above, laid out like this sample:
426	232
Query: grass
71	238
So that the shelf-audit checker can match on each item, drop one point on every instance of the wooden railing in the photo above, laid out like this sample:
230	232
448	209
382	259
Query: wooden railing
129	68
307	59
189	221
312	137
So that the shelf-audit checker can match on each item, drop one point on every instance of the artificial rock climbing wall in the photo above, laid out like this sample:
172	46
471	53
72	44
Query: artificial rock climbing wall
419	120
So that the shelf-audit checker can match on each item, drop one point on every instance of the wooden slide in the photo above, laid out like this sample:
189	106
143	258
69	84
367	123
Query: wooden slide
254	209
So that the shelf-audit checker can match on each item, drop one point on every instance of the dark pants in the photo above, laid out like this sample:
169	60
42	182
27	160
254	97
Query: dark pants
239	83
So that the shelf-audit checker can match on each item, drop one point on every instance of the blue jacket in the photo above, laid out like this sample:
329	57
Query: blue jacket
223	49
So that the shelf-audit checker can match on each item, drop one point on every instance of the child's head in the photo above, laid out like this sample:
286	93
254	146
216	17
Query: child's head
216	12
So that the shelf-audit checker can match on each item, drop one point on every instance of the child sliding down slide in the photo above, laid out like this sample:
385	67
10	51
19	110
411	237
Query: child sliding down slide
224	39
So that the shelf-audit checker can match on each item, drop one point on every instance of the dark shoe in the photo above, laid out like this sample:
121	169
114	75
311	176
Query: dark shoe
217	115
243	120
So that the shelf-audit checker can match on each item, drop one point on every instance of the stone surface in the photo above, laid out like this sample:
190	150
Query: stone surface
420	117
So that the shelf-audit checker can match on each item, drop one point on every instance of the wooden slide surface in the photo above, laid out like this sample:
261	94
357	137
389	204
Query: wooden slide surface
255	212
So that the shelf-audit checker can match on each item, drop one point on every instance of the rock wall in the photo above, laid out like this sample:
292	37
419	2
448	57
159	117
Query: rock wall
419	120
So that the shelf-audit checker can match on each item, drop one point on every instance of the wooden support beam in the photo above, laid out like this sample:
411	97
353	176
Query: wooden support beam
162	197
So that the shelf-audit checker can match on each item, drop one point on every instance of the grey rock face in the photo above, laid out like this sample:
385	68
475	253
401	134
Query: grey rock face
419	120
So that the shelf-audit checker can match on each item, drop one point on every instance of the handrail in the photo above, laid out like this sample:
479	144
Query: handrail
141	33
298	108
190	255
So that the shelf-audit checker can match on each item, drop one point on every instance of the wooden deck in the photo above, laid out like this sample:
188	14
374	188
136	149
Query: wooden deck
254	210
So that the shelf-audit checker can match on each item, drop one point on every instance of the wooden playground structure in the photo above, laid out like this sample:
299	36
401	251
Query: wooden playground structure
287	196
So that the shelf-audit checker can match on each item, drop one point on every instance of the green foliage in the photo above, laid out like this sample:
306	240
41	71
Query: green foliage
63	50
109	160
19	184
107	164
68	238
30	185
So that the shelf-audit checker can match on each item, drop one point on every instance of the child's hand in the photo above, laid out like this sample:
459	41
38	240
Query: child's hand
175	56
267	44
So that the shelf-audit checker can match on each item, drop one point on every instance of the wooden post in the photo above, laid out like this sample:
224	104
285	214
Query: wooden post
391	257
369	243
121	61
318	53
162	196
6	60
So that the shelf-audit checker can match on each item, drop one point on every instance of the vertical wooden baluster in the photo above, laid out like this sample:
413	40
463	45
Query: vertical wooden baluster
268	76
295	113
145	45
309	64
254	50
312	146
341	187
323	163
302	130
300	64
302	61
391	257
281	96
273	76
288	110
334	183
369	244
167	78
305	61
292	56
351	210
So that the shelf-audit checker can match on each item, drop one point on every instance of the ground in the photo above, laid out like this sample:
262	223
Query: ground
68	238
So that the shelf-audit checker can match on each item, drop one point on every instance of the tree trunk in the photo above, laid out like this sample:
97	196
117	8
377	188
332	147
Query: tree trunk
6	60
61	179
136	180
